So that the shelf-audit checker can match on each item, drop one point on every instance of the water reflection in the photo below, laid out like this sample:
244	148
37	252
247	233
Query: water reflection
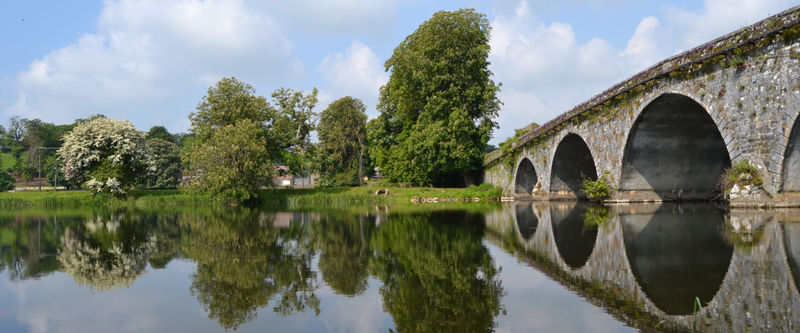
791	235
574	238
677	253
437	275
526	220
244	262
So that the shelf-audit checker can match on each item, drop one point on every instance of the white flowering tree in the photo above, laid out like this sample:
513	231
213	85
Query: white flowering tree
105	155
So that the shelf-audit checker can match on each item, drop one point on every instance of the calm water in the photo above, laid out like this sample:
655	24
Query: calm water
511	268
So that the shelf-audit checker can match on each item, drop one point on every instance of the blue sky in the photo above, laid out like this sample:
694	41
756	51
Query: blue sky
151	61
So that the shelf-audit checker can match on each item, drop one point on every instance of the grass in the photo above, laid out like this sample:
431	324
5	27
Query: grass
339	196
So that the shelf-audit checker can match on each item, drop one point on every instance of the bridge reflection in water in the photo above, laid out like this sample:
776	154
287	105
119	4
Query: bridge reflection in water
647	264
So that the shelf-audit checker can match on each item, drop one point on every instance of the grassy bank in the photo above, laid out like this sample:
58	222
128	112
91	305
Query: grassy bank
342	196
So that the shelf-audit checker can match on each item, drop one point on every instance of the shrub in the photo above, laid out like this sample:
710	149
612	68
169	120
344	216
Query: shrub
6	181
597	189
742	173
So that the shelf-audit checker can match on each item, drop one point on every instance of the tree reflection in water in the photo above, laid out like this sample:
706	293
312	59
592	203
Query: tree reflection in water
344	242
243	263
437	275
107	252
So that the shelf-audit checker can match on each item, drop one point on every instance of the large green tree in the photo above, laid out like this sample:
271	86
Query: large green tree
438	107
238	136
342	137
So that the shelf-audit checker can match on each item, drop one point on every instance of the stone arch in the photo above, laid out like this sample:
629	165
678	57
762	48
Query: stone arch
675	150
526	177
574	239
791	161
571	162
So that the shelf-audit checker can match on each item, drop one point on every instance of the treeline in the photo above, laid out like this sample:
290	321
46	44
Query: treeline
31	145
437	114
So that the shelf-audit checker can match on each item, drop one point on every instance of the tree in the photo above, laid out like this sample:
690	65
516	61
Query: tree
294	120
6	181
167	158
105	155
232	147
438	107
342	142
233	163
15	132
160	132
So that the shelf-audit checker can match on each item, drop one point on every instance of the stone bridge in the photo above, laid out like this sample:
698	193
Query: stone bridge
669	132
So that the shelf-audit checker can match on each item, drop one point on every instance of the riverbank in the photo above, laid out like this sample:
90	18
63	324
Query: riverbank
366	195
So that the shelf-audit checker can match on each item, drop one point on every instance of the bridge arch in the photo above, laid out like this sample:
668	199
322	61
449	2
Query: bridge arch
675	150
791	161
571	162
526	177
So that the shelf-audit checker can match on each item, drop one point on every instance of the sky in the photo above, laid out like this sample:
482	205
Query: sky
152	61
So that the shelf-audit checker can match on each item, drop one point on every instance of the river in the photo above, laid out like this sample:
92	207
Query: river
559	266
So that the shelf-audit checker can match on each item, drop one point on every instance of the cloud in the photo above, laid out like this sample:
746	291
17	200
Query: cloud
151	56
719	17
356	72
545	70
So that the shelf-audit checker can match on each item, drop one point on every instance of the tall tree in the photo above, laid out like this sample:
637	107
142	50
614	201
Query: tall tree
438	107
342	142
167	158
295	119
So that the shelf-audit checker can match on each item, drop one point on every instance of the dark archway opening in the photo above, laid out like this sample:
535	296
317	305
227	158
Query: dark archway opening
791	162
526	221
678	253
572	161
574	238
526	178
674	150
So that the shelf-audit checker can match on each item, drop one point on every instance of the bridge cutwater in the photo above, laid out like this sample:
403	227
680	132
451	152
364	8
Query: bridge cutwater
669	132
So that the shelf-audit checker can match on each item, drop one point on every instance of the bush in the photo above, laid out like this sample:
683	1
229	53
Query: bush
742	173
6	181
597	189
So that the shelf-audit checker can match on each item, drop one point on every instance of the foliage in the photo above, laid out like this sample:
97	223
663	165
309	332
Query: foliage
160	132
342	142
437	275
233	162
243	263
167	161
595	216
344	242
598	189
105	155
742	173
6	181
437	108
248	135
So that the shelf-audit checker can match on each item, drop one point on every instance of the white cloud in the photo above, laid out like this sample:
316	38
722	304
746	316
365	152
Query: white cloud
152	55
719	17
357	72
545	71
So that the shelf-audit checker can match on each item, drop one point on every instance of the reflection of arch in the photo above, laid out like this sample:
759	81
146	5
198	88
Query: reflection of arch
574	240
791	161
526	178
571	162
526	221
675	150
676	257
791	243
